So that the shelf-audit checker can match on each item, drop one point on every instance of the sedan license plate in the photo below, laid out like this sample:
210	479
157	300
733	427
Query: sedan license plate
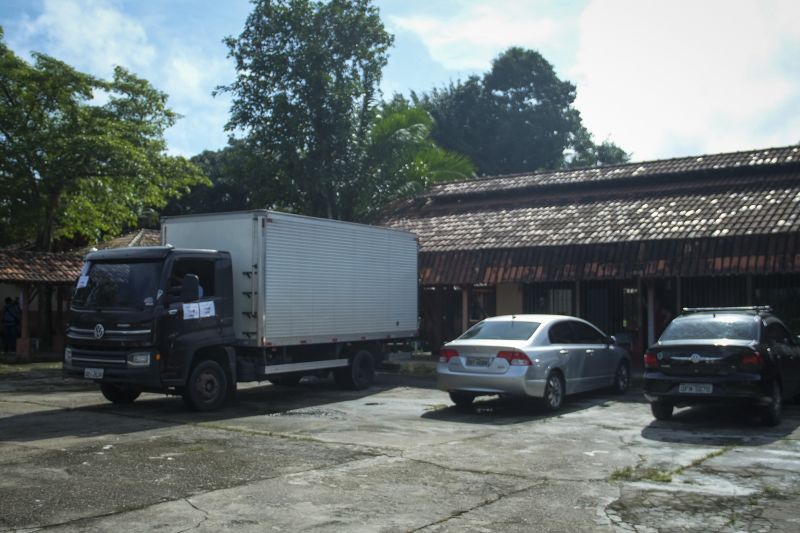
93	373
477	361
695	388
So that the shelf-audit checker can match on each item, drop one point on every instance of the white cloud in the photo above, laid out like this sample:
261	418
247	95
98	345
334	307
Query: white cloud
471	37
93	36
701	77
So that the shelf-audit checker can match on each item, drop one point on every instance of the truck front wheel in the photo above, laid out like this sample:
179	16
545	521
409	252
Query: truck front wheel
360	374
207	387
118	394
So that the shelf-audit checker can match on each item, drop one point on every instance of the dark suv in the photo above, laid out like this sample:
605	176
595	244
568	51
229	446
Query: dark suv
723	355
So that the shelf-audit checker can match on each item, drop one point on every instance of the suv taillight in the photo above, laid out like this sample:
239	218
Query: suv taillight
445	354
650	360
753	359
515	358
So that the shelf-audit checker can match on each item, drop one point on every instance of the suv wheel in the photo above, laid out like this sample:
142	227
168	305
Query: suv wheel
661	410
771	415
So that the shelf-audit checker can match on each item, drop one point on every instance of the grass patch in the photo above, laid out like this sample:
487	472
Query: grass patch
638	473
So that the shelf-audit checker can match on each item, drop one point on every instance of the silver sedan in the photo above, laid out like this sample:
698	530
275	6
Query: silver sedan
541	356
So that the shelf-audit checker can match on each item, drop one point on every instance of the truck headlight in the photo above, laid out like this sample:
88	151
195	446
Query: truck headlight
68	355
139	359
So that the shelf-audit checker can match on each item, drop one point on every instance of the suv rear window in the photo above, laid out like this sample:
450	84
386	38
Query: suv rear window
507	330
712	326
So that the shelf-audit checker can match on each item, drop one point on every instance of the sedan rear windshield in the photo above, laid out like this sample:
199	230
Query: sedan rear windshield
719	326
510	330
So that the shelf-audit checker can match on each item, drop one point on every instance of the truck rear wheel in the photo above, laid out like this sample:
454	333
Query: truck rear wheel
118	394
359	374
207	387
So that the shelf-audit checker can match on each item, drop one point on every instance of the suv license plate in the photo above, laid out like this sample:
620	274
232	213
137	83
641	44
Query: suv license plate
696	388
477	361
93	373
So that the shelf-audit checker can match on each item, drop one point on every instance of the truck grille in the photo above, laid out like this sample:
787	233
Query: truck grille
105	358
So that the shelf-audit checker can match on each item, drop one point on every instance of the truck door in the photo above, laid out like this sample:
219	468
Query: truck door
189	323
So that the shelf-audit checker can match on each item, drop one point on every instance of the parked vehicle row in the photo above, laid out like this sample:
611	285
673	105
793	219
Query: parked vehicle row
742	355
540	356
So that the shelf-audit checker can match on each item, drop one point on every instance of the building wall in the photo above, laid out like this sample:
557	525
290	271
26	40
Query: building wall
509	298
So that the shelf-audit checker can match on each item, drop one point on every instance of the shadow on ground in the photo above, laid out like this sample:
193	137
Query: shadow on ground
153	412
497	410
721	425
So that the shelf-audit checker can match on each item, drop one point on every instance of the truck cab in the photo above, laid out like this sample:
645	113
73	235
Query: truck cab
143	319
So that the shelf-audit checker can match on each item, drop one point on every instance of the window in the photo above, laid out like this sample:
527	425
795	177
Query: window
202	268
586	334
561	333
711	326
511	330
776	333
119	285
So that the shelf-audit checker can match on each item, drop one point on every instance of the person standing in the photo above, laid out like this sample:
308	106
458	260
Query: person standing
10	317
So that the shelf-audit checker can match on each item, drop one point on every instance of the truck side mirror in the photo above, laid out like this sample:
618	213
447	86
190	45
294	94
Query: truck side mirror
190	288
612	340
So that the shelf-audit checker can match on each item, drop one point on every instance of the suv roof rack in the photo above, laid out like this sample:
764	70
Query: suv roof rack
753	308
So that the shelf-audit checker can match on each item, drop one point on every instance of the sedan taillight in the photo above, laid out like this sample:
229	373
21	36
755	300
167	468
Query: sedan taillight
515	358
650	360
752	359
445	354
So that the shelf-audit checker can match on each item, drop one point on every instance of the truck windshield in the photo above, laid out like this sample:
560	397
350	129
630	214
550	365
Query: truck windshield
125	285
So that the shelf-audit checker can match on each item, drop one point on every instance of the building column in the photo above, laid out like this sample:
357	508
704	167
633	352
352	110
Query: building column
651	314
577	298
464	308
24	340
678	303
750	297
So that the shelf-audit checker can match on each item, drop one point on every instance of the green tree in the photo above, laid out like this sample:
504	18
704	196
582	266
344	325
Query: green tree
70	165
238	181
305	95
518	117
402	158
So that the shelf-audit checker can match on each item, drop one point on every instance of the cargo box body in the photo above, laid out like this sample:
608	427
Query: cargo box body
302	280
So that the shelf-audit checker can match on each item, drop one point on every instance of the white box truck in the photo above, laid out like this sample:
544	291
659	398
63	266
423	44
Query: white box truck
246	296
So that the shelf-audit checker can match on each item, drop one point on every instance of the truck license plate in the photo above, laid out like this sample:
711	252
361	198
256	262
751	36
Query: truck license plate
477	361
695	388
93	373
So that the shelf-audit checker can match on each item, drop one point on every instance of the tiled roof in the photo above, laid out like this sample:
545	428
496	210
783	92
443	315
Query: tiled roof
757	160
762	254
39	267
736	206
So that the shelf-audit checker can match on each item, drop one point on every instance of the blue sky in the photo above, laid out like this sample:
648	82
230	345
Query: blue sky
661	78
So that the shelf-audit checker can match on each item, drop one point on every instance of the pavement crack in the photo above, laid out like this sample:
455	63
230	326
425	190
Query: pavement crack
195	507
479	505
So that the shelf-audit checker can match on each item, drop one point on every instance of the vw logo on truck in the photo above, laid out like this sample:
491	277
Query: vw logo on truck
99	331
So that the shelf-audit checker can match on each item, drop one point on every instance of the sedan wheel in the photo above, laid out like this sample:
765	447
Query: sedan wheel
554	392
462	399
622	379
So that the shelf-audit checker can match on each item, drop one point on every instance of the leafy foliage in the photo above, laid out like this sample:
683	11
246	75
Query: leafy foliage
402	159
70	165
305	92
517	118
